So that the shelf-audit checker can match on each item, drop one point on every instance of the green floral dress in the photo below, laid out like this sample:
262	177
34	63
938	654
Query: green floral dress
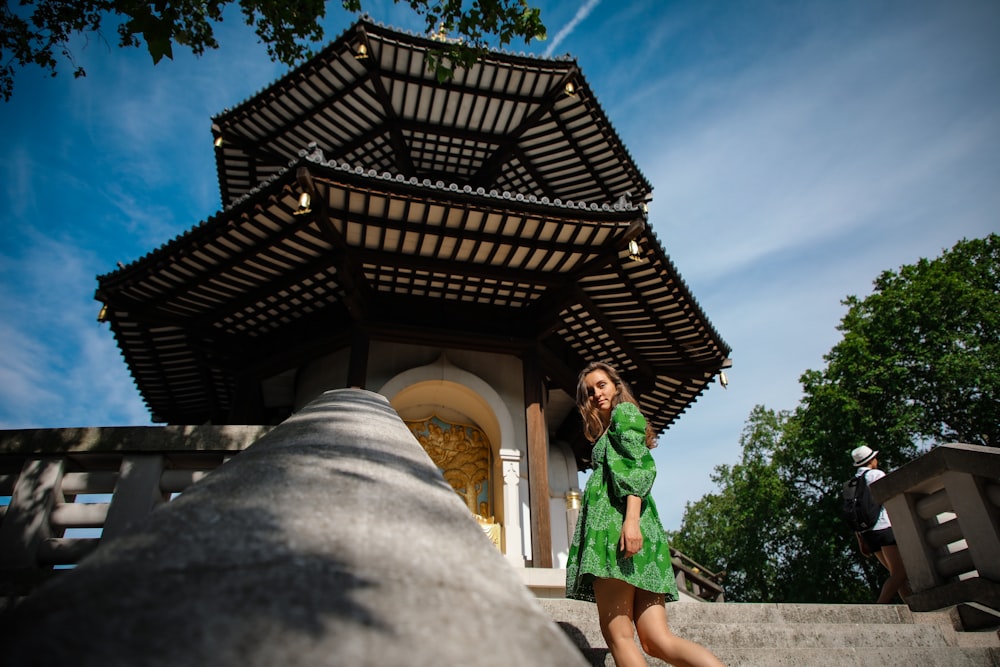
623	466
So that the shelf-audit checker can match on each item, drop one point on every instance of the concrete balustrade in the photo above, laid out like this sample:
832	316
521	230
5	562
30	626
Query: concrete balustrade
333	540
945	512
78	515
696	578
138	467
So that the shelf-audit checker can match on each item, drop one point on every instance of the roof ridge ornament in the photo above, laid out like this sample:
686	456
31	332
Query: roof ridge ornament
313	153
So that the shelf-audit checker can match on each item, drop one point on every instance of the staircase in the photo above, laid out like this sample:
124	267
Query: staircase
800	635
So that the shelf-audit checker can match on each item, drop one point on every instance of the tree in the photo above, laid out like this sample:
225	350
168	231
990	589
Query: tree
762	533
37	31
918	363
739	530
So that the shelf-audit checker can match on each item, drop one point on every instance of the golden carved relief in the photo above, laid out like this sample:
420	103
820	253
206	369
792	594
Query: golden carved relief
462	453
463	456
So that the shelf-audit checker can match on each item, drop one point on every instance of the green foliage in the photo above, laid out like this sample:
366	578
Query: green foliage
740	529
919	363
505	20
37	31
770	540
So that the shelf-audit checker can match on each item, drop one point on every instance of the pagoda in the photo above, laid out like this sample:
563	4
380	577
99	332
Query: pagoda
462	248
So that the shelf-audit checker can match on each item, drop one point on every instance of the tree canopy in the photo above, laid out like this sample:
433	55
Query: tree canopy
38	32
918	365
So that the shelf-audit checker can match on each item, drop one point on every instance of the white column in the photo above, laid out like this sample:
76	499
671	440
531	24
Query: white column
510	460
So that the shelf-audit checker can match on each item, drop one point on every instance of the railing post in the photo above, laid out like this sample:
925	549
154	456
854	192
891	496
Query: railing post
910	533
136	494
978	519
26	523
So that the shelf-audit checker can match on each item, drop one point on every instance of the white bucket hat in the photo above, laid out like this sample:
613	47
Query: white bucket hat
862	455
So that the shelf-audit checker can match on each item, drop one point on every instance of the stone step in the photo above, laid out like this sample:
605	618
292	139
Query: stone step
777	635
737	612
844	657
765	635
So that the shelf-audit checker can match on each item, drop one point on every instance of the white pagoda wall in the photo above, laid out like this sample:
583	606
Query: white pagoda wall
495	378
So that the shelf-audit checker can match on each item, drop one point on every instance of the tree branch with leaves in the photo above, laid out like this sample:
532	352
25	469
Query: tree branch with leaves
38	32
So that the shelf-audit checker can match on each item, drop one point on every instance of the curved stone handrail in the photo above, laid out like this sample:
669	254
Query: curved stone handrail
950	494
332	540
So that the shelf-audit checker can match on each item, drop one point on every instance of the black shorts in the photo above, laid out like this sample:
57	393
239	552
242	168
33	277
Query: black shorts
876	539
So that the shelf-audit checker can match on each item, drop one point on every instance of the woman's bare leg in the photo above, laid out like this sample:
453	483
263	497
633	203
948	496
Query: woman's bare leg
615	604
897	581
658	641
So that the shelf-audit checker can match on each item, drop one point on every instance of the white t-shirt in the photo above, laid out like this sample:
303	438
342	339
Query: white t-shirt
873	475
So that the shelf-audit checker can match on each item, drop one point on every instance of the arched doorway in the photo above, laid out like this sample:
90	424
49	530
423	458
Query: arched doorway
456	397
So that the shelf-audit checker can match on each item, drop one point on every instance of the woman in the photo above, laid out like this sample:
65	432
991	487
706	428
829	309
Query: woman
619	557
879	540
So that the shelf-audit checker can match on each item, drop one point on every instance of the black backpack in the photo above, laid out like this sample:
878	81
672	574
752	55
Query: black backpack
860	510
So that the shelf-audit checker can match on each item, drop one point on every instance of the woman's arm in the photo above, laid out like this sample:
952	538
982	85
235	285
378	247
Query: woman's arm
631	540
629	460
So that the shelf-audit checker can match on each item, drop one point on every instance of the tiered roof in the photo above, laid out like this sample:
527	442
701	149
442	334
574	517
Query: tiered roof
492	212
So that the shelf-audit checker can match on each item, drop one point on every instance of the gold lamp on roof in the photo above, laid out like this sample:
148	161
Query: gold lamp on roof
361	53
634	251
304	201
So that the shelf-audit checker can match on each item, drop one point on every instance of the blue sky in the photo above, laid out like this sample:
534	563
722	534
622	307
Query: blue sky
796	149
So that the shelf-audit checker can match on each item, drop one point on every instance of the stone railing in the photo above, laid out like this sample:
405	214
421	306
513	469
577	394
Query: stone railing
696	579
945	513
70	488
331	540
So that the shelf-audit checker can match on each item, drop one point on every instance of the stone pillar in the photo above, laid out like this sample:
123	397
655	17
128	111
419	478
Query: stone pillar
136	493
333	540
978	518
510	462
952	478
26	524
910	533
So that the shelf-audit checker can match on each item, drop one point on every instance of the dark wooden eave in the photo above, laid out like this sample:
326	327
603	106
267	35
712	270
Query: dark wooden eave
506	123
260	289
492	212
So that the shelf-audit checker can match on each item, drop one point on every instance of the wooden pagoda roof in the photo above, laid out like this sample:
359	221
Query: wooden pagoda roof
507	123
507	237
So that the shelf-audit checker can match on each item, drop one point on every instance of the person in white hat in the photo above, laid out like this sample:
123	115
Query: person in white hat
879	539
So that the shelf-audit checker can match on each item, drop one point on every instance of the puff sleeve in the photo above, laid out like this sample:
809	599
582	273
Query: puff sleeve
630	463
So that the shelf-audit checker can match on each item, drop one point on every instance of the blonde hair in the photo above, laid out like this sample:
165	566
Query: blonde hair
593	426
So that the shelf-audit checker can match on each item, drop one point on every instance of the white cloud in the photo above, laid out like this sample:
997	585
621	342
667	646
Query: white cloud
581	14
810	150
23	380
58	366
19	167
